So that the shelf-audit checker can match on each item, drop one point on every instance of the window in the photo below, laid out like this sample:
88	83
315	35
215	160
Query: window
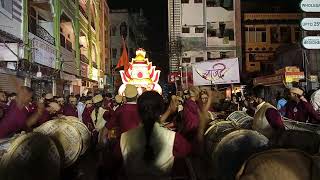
114	52
274	35
261	35
199	29
185	30
197	1
113	30
252	57
212	33
252	34
186	60
297	34
285	34
6	5
185	1
199	59
230	34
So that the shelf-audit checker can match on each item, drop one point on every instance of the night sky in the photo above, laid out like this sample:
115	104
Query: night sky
157	33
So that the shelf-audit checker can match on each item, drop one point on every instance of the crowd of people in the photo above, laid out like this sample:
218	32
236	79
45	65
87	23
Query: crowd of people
148	133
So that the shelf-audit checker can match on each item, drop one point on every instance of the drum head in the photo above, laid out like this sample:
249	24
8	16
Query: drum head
66	137
234	148
83	130
31	156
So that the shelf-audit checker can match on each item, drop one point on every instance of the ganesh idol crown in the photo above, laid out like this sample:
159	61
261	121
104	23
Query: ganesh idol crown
140	73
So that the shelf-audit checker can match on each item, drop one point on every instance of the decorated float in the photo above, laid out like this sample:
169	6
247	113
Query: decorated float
140	73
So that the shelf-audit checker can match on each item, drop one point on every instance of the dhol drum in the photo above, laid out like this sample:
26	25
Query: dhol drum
280	164
84	132
303	140
67	138
232	151
31	156
215	133
4	146
301	126
242	119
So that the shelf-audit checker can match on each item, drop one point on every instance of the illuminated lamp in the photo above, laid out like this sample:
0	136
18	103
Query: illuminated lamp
141	73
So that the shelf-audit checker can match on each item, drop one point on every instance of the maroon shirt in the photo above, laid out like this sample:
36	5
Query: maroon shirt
3	109
14	121
45	116
274	118
190	118
125	117
302	111
86	117
70	110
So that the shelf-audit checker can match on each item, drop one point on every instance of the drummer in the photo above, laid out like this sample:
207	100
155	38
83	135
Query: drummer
17	118
48	113
71	108
300	109
126	116
267	119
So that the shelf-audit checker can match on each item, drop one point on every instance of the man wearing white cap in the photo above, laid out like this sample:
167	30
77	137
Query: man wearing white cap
300	109
126	116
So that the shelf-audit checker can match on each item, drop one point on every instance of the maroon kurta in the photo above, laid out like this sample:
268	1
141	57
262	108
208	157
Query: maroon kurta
274	118
14	121
190	119
86	117
70	110
45	116
302	111
126	117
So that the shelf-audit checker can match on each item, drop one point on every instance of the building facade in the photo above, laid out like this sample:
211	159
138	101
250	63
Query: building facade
201	30
263	34
65	45
128	24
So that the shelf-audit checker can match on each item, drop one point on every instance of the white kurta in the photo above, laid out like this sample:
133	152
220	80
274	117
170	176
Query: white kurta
132	145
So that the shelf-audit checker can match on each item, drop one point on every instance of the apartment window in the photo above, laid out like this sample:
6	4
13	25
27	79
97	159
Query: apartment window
6	7
185	1
186	60
185	30
285	34
252	57
251	34
199	59
223	55
297	34
230	34
114	52
199	29
274	35
261	35
197	1
113	30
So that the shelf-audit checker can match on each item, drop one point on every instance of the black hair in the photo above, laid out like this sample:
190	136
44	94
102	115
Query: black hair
150	107
259	92
12	94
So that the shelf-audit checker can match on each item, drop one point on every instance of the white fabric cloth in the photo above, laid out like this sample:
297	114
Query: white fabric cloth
260	122
100	121
132	145
80	107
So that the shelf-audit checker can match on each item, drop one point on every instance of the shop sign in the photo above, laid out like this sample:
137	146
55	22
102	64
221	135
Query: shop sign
95	74
268	80
66	76
43	52
84	70
311	42
310	24
293	76
310	5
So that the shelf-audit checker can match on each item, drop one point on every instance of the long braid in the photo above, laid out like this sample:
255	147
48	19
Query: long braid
150	107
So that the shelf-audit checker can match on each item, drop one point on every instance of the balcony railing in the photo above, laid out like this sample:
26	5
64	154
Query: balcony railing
44	34
84	58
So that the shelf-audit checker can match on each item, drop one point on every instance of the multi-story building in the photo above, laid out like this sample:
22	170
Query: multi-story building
201	30
128	24
65	45
264	33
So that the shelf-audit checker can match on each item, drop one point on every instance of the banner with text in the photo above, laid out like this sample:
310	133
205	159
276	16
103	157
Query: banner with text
223	71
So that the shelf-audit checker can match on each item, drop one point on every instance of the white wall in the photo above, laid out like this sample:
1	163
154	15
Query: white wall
218	14
192	14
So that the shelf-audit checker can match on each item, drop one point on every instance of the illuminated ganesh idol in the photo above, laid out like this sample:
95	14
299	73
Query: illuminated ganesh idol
141	73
